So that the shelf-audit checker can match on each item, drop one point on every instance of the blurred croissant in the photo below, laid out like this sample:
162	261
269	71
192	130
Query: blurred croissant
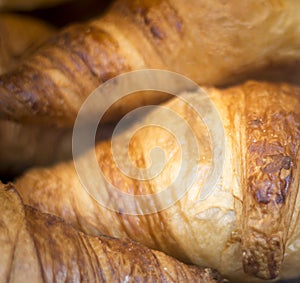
20	36
211	42
247	228
25	145
20	5
37	247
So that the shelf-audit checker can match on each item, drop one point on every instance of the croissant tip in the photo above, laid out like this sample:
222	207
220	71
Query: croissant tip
265	267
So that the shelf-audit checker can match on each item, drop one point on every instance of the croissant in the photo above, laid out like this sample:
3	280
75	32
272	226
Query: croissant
42	248
248	227
22	146
211	42
20	36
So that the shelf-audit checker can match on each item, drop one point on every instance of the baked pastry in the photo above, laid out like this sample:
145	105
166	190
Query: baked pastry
248	227
42	248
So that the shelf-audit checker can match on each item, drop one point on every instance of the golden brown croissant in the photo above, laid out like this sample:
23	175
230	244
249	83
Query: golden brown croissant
250	219
211	42
37	247
20	36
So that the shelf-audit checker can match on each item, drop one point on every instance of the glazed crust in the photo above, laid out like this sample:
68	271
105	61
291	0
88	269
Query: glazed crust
247	220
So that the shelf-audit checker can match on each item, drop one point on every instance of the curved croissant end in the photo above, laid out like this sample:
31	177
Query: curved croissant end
271	180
